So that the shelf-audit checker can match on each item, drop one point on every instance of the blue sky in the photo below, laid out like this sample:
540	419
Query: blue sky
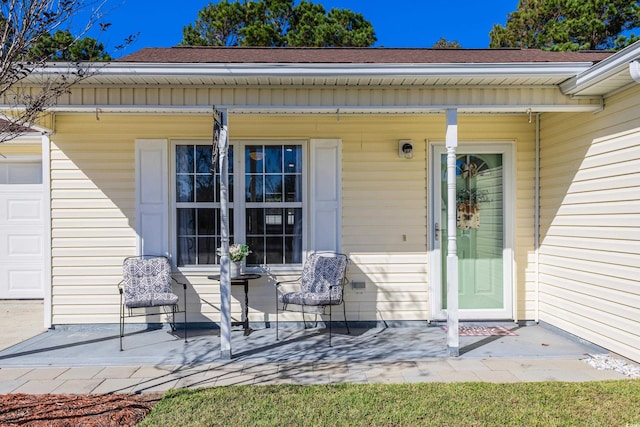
398	23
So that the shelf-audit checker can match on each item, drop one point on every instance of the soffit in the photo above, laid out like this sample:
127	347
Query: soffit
613	83
320	75
361	81
606	77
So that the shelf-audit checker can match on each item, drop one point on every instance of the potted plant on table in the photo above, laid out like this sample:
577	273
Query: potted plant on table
237	253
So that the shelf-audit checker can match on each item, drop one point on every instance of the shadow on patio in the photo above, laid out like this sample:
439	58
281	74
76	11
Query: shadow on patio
98	346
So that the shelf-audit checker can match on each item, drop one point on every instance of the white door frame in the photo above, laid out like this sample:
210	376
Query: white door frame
507	149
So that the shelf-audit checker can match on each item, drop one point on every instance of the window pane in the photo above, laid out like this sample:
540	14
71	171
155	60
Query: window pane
256	244
273	156
293	250
186	222
275	250
255	221
254	156
21	173
253	189
184	188
207	222
293	223
293	188
186	250
293	159
207	250
205	188
231	232
273	188
274	221
184	159
203	158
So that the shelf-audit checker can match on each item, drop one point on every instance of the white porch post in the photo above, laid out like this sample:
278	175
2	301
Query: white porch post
453	339
46	190
225	279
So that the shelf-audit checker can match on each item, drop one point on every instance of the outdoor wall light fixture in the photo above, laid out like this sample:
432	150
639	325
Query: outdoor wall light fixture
405	148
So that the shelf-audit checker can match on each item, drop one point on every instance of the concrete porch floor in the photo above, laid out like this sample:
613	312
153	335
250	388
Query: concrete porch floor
88	360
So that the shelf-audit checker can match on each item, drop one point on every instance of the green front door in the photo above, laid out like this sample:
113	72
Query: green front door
484	284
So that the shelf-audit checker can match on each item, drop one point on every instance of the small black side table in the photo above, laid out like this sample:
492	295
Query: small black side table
243	280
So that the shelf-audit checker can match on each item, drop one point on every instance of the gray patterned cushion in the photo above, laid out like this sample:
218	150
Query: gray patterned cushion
321	282
147	282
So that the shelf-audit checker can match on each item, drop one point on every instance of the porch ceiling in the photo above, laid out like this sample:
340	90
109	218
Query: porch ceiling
359	81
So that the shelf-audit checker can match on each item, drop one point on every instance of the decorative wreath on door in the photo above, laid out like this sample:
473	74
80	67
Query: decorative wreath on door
468	199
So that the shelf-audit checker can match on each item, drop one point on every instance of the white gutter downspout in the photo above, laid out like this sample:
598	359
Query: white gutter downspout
536	221
453	338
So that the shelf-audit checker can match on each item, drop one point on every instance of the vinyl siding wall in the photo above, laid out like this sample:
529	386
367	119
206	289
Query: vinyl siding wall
590	239
384	208
19	148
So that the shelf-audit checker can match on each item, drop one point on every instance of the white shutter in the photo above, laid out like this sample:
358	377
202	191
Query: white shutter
152	196
326	195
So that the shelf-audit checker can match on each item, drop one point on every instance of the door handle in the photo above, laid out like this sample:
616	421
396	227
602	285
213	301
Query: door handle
437	232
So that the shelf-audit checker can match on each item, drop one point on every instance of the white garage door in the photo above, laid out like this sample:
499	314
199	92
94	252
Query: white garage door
21	230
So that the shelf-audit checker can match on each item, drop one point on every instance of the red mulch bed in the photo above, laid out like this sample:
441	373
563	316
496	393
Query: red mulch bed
66	410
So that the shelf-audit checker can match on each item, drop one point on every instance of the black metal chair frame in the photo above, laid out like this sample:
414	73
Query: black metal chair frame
343	282
172	309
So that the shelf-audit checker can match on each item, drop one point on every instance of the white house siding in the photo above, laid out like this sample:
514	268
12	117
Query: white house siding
590	239
384	207
93	207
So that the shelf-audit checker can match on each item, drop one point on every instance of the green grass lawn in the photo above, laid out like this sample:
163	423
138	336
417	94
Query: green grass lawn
606	403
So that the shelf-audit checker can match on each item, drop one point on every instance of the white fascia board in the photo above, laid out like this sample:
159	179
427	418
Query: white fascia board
602	70
295	110
116	69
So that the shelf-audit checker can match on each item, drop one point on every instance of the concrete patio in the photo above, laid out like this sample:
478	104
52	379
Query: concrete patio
88	360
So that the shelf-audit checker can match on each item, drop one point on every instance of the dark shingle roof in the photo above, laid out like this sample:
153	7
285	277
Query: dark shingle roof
256	55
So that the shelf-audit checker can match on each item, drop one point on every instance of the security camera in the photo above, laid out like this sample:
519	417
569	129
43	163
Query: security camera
405	148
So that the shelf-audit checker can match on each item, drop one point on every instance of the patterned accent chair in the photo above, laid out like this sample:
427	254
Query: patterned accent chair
147	282
321	285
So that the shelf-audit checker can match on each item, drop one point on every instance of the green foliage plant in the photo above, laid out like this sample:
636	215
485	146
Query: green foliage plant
277	23
63	46
569	25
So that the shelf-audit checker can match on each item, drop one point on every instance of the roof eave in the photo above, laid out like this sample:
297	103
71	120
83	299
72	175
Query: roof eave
123	70
603	70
